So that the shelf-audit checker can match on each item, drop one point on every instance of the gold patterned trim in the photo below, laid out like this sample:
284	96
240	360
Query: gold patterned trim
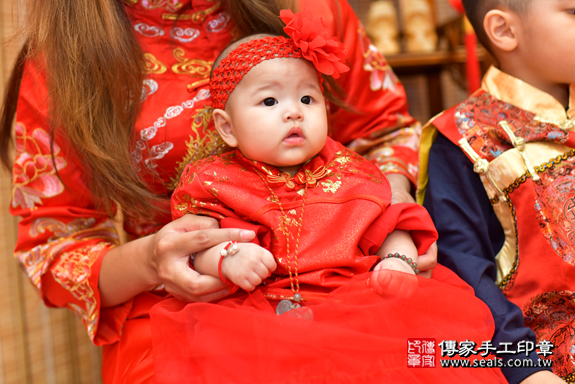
570	378
519	144
176	16
516	184
509	276
481	166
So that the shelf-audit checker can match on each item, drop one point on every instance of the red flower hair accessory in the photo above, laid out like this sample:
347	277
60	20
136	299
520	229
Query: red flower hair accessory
325	52
308	41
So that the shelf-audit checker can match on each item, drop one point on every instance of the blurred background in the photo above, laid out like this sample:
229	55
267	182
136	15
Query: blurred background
423	41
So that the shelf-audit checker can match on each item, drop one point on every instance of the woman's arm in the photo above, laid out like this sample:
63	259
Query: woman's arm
70	250
163	258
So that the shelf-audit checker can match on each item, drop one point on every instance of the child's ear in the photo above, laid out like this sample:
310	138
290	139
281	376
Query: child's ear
223	124
502	28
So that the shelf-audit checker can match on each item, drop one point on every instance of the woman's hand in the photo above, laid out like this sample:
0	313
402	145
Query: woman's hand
172	246
163	258
428	261
400	188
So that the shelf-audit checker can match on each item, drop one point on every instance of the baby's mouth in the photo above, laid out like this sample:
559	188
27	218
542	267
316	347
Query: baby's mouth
294	136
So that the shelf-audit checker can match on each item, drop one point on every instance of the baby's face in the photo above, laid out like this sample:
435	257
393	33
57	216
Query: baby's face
278	114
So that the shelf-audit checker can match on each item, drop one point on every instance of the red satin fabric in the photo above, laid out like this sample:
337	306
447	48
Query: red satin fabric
358	335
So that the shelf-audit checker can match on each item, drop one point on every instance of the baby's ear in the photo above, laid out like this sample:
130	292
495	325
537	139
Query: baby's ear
224	127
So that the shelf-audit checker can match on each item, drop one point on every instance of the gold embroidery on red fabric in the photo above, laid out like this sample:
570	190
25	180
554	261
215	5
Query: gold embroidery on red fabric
73	273
153	65
36	261
331	186
204	142
191	67
200	16
197	17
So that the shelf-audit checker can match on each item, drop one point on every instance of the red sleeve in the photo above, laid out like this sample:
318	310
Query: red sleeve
406	217
380	127
62	238
194	195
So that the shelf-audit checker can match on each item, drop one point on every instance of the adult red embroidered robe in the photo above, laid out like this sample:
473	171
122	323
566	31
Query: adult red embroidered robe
62	237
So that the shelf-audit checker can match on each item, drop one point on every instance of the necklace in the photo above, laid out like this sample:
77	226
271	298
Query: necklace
285	222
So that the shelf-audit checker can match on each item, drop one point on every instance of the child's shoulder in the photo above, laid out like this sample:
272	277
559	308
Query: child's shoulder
212	167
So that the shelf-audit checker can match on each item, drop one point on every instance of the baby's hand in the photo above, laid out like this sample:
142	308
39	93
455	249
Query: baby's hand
249	267
394	264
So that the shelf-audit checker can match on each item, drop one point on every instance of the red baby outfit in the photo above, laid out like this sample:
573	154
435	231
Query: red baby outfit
360	327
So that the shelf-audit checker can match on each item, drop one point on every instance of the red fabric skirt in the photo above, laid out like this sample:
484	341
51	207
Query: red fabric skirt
357	335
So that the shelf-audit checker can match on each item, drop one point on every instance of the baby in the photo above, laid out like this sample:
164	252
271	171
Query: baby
324	222
279	125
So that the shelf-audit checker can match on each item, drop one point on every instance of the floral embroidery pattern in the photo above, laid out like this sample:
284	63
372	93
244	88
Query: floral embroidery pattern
36	261
477	120
555	207
73	273
382	76
551	315
34	174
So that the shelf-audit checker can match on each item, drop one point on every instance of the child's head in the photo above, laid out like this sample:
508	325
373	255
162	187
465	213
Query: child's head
531	39
268	101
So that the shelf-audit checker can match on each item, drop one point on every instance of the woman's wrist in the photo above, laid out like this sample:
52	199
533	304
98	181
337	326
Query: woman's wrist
150	273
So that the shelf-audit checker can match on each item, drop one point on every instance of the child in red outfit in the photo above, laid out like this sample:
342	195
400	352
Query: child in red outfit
309	309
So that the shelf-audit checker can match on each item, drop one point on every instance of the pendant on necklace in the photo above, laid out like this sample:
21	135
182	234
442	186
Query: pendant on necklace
290	309
286	306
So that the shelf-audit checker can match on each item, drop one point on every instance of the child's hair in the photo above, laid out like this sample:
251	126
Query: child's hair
477	9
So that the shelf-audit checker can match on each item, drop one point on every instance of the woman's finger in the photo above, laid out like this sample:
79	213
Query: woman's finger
428	260
195	241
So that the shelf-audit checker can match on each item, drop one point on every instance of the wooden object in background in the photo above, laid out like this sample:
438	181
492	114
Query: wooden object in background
418	26
383	27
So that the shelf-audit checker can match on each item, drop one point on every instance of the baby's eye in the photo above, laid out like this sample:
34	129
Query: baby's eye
270	102
571	11
306	100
